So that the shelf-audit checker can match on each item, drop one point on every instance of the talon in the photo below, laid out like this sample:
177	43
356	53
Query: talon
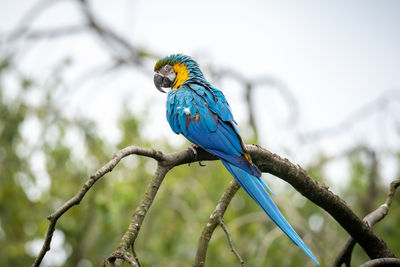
193	148
201	164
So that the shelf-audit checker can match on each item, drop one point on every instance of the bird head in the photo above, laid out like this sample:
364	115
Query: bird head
173	71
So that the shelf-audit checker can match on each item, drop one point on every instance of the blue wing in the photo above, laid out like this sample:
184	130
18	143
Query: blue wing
201	113
205	119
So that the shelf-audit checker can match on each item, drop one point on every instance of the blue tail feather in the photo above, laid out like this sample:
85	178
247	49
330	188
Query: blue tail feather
266	186
254	186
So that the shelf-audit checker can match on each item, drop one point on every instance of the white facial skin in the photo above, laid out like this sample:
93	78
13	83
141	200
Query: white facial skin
169	72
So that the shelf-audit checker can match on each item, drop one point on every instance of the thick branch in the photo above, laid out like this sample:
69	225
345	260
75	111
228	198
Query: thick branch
388	262
323	197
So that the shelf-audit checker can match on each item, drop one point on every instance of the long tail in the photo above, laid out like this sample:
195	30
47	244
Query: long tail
254	187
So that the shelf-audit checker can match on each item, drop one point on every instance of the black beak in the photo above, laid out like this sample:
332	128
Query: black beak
160	81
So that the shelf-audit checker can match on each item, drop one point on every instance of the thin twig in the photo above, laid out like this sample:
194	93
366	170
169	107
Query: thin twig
24	23
371	219
57	32
228	236
373	178
357	116
250	109
380	213
129	54
249	84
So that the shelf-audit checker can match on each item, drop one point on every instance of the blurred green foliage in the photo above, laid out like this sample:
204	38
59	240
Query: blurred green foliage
90	231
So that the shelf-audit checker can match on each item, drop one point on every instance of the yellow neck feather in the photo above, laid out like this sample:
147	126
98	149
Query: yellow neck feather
181	75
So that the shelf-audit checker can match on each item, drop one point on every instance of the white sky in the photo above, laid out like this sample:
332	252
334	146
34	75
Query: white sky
335	56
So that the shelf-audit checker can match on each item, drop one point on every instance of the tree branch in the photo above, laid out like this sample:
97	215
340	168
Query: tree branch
24	23
265	160
121	48
249	84
213	222
388	262
354	118
228	236
118	257
323	197
89	183
56	32
370	220
128	240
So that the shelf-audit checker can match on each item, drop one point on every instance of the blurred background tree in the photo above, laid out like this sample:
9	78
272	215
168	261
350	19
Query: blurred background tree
47	152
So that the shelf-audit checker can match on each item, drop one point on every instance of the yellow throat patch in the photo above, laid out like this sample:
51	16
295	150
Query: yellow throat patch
181	75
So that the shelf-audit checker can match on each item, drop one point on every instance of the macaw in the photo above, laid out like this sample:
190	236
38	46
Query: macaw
200	112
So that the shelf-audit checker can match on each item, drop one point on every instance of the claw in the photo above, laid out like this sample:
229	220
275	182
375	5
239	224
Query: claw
201	164
193	148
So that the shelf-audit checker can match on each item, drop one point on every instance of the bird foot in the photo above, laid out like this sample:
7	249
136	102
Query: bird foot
194	148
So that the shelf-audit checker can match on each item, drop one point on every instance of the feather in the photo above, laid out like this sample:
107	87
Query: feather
254	187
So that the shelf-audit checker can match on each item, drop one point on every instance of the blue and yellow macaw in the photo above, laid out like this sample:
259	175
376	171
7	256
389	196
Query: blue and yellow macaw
201	113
